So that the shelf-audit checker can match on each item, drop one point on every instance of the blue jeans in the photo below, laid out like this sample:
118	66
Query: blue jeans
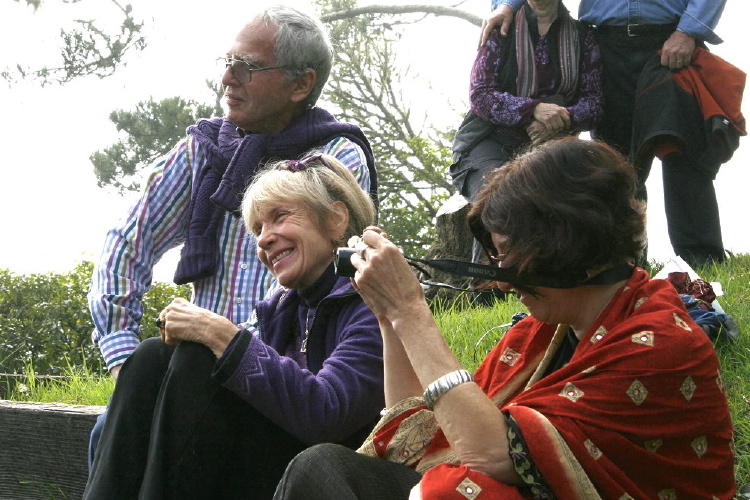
96	433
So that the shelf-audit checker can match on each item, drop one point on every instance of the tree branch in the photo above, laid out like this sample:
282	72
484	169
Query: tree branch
436	10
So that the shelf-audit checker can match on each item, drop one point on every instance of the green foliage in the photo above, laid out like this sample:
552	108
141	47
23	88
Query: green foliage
149	131
86	50
45	320
33	4
366	87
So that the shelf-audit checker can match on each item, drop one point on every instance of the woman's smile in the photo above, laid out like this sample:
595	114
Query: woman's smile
280	256
292	245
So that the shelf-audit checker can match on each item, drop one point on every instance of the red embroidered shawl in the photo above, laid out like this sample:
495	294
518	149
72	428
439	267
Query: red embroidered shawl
639	412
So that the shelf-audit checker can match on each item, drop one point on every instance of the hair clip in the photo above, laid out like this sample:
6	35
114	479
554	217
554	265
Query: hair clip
294	165
304	163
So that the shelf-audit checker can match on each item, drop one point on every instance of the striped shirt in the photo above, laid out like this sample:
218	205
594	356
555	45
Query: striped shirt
158	222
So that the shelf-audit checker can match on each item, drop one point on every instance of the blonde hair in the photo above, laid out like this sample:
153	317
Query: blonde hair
317	181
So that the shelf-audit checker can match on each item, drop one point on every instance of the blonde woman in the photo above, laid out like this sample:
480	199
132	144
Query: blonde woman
216	410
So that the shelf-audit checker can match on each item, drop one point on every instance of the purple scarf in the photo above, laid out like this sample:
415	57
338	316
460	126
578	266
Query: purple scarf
233	158
526	82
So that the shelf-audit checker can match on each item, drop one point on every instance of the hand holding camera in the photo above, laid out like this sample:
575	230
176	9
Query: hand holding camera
342	261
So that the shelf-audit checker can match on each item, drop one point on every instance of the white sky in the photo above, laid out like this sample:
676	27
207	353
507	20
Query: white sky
52	215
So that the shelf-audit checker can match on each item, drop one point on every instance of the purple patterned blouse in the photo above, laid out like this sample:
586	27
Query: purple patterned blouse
514	113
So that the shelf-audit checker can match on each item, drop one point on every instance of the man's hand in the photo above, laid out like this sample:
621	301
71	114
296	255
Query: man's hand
677	51
501	16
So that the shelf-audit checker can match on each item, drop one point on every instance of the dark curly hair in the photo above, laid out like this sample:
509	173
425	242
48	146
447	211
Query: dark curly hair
566	207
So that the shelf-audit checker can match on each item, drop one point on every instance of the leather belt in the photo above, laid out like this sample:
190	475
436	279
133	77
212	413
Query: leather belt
637	29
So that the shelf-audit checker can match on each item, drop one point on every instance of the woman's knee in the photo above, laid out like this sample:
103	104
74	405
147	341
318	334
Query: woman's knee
318	461
190	358
324	456
313	471
151	354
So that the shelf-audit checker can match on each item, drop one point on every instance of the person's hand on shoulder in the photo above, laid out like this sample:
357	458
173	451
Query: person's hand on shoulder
501	16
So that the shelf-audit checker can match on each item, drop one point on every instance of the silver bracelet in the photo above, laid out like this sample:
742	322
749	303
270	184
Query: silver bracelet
445	384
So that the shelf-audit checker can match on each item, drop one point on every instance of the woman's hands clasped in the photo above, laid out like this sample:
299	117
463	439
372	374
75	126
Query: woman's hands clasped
550	120
183	321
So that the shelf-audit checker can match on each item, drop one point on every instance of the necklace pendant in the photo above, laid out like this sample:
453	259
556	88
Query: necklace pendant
303	347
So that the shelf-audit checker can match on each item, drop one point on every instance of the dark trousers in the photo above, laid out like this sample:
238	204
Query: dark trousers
692	211
330	471
470	169
623	59
172	432
689	197
469	173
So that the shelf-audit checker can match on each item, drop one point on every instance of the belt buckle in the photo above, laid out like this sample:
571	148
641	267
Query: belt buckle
632	33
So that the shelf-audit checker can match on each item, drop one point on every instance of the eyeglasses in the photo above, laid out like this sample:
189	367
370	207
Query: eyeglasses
241	70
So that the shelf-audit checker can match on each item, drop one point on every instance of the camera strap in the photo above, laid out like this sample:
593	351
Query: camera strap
510	275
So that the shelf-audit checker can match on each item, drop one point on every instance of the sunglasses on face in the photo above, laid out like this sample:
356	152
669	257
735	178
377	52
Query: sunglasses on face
242	70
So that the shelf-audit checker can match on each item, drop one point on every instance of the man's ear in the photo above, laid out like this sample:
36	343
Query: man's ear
304	85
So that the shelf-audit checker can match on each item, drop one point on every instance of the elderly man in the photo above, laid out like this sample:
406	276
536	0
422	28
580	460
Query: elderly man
275	70
630	34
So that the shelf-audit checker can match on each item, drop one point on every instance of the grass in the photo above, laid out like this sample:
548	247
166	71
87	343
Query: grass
472	332
735	356
77	386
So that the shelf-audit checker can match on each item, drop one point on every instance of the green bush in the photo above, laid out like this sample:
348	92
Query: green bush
45	320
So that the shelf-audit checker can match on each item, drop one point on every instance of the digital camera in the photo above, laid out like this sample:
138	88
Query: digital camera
342	262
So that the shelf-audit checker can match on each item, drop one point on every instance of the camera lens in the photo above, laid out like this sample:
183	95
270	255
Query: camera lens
342	262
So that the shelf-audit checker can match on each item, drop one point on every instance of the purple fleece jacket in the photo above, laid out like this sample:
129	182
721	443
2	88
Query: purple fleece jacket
338	397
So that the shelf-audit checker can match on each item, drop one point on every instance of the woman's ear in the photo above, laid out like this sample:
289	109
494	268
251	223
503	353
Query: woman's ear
340	220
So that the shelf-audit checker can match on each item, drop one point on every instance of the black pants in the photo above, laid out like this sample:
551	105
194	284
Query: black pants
334	472
692	211
172	432
689	197
469	173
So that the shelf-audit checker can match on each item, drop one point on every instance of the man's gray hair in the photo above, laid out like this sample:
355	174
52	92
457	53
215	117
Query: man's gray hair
302	42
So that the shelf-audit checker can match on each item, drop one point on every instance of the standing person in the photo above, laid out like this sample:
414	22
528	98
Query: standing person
542	80
608	389
216	411
630	33
275	70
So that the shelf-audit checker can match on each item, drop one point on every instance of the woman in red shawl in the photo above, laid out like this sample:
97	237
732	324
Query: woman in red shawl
607	390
